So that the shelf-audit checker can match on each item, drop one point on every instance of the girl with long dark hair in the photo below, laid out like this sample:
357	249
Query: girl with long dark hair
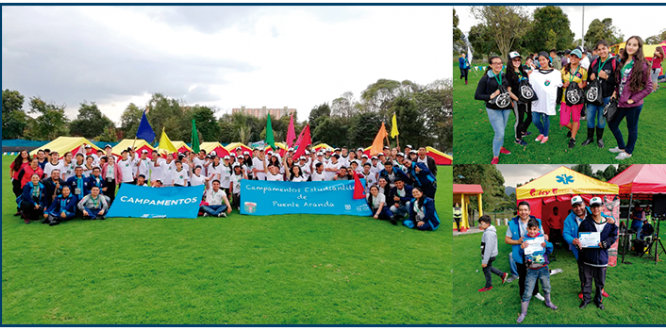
572	73
602	69
296	175
545	81
515	73
655	66
377	203
422	213
634	84
22	159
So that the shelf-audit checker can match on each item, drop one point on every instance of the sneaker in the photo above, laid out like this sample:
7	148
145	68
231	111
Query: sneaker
555	271
504	277
527	133
521	142
494	161
205	214
505	151
540	297
485	289
580	296
26	221
222	215
538	138
572	143
615	150
569	134
512	278
604	294
600	143
623	155
545	138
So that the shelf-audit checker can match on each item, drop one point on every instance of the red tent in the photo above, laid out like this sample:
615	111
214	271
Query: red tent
440	157
641	180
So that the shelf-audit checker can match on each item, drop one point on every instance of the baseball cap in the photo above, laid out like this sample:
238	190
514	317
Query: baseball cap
87	146
303	158
380	154
409	146
107	146
373	157
400	154
246	153
386	147
144	151
577	52
596	201
213	153
226	157
359	149
576	200
291	149
364	156
239	148
413	152
513	55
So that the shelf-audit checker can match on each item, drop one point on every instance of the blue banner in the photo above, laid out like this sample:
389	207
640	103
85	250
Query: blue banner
320	197
145	202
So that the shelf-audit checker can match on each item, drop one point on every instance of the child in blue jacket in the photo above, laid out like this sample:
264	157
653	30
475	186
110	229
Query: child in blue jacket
422	213
537	268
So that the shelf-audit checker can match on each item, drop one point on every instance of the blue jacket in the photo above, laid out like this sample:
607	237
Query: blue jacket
515	235
403	200
61	204
92	182
463	63
424	177
398	173
570	231
430	216
598	256
73	185
27	195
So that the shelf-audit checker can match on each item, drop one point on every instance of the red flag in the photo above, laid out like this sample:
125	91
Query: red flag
359	191
291	135
300	136
305	141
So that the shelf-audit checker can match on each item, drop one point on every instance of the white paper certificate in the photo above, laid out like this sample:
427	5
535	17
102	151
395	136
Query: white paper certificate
534	246
590	240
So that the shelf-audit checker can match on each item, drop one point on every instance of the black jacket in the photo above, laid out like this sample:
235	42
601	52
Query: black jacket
394	192
597	256
487	86
50	189
607	85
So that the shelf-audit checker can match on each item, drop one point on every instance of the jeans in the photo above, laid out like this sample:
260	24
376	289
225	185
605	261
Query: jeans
401	211
542	274
94	213
214	210
498	120
597	111
385	214
490	269
637	225
542	122
512	263
57	217
463	73
522	272
632	115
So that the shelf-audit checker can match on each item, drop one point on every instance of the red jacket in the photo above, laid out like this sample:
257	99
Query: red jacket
117	174
26	173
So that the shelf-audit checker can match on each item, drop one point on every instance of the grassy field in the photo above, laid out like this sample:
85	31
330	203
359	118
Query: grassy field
636	291
293	269
473	134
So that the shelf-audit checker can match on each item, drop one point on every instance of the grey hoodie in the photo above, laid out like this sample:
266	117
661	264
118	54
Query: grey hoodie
489	244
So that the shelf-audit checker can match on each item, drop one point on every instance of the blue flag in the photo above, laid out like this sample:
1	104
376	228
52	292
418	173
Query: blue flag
145	131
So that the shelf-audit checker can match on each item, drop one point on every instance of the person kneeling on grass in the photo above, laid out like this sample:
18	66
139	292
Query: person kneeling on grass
32	201
377	203
94	205
214	198
489	252
537	267
62	209
422	213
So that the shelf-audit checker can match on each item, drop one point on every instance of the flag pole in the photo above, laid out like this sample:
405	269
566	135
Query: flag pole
397	138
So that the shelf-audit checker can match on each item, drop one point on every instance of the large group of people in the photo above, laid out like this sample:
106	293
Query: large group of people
530	266
400	187
535	89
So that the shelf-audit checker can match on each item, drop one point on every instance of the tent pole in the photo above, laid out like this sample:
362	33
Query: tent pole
626	227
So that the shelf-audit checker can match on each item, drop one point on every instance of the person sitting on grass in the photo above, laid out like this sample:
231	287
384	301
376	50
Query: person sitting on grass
595	259
214	198
33	199
399	198
62	209
537	267
422	213
377	203
94	205
488	253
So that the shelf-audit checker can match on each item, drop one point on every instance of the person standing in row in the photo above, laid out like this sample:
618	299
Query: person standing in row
634	85
572	73
655	66
545	81
515	73
602	68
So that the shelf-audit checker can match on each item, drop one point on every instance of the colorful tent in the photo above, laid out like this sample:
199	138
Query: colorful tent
440	157
641	181
181	146
214	146
231	147
64	144
461	193
322	145
139	144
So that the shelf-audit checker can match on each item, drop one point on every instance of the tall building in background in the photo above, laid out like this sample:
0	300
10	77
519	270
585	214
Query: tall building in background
276	113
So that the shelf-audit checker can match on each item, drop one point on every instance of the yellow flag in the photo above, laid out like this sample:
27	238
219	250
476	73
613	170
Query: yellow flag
394	127
165	144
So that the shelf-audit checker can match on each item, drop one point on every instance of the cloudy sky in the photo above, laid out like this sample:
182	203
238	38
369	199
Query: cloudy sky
651	18
514	174
220	56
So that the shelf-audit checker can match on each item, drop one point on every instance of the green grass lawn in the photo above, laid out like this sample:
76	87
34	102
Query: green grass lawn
292	269
473	134
636	291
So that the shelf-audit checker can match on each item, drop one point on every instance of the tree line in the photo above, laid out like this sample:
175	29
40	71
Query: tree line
423	114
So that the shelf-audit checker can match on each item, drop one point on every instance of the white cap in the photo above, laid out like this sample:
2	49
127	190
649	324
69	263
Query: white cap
307	152
246	153
270	152
226	157
213	153
144	151
303	158
380	154
364	156
576	200
596	201
291	149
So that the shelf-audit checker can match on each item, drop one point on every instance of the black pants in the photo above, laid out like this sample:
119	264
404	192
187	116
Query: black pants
236	202
581	272
555	236
490	269
29	211
522	272
523	113
16	188
599	276
457	220
463	73
111	190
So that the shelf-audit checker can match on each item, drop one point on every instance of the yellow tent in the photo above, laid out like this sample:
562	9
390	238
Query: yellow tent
139	146
231	147
64	144
214	146
322	145
564	181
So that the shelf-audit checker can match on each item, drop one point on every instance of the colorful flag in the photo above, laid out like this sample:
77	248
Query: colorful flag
145	131
165	144
305	141
359	191
195	137
291	135
394	127
270	140
378	144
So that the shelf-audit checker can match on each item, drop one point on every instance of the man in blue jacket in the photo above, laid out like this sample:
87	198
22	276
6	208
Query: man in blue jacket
391	174
78	183
399	198
422	177
62	209
595	259
570	234
515	234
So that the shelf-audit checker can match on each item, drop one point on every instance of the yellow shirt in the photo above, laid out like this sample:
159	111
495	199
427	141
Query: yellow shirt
580	76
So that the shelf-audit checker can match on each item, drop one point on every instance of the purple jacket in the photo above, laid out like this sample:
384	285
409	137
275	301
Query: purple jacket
628	94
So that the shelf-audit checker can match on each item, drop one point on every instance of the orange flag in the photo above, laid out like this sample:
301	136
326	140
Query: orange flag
378	144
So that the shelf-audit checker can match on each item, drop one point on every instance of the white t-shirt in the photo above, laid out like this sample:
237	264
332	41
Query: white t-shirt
370	178
236	181
215	197
168	172
299	179
127	170
157	172
199	162
143	167
225	176
48	168
67	170
318	177
545	87
330	175
306	171
276	177
197	180
179	177
259	165
377	200
187	170
215	171
585	62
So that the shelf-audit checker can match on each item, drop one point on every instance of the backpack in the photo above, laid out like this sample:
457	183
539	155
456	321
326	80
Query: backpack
594	90
503	100
526	93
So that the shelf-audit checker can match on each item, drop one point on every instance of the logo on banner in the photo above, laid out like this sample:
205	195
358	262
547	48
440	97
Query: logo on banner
250	207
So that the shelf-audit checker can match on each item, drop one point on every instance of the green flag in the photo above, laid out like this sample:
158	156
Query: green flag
195	137
270	140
